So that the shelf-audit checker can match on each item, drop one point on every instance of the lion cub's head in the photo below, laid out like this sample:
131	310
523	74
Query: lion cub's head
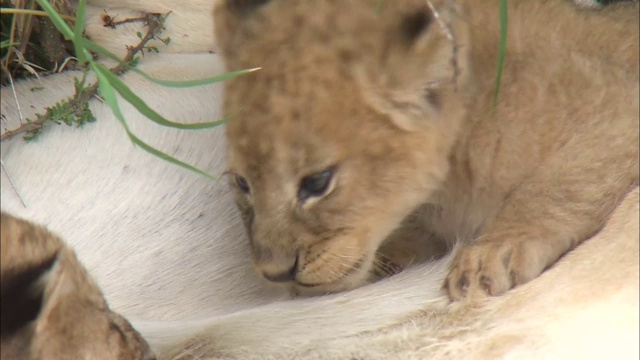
51	309
344	130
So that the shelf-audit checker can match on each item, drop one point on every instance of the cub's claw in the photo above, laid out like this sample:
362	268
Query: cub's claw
493	267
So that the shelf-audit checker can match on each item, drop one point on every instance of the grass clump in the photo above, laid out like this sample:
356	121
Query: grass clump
75	109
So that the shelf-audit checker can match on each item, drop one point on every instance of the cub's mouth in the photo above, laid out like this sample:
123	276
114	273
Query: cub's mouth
327	280
356	267
406	246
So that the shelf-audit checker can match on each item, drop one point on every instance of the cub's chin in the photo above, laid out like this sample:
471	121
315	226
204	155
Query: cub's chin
408	245
387	261
365	273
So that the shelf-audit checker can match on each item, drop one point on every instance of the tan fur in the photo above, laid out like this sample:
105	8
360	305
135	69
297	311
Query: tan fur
51	308
591	313
399	103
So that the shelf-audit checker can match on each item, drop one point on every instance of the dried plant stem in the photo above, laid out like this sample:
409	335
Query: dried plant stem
13	185
77	102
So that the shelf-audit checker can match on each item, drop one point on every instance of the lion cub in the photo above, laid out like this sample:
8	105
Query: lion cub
51	309
359	118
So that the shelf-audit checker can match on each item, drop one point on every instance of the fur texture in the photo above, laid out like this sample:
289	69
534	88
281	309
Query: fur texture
591	313
359	118
170	252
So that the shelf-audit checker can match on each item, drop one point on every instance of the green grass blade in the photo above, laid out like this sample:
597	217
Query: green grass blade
200	82
100	50
110	98
7	43
502	49
57	20
145	110
176	84
108	95
150	149
379	6
81	53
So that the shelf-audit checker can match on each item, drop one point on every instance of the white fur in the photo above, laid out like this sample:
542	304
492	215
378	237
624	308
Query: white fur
168	249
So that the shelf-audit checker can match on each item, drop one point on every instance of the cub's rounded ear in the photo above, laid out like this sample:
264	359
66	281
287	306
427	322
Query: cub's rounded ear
421	53
228	17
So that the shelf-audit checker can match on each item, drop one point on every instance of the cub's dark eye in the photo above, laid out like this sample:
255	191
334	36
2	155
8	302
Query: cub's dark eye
315	184
242	184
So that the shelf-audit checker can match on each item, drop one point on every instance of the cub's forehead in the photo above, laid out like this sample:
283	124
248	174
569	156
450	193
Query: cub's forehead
304	108
287	26
279	150
292	119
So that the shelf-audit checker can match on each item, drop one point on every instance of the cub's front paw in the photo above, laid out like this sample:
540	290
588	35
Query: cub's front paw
493	267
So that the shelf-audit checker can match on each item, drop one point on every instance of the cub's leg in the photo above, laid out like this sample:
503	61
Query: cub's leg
565	202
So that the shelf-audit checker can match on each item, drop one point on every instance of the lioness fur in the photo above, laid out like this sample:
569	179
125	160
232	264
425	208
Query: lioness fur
360	118
51	308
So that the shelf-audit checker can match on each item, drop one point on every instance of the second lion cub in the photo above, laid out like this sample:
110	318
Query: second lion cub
360	118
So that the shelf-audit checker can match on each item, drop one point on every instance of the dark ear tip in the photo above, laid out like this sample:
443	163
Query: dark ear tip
21	299
416	23
245	7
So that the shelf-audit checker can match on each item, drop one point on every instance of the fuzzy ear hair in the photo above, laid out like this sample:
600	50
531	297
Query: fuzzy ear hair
419	61
228	16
